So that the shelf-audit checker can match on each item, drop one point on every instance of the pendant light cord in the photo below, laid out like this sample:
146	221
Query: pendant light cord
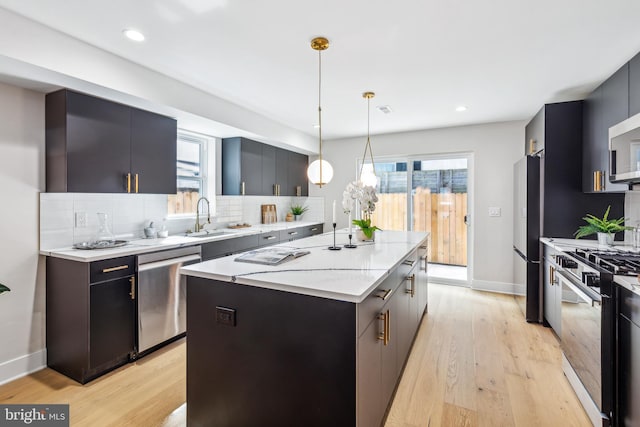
368	144
320	111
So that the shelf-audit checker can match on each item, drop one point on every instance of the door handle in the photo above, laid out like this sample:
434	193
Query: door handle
136	183
129	183
242	187
385	336
132	292
466	219
412	290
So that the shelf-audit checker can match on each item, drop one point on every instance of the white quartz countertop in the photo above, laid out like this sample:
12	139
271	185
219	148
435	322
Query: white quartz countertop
140	246
345	275
631	283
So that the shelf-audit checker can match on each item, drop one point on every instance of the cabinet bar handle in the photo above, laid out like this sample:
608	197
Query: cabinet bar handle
242	188
136	183
532	146
385	336
132	294
270	237
112	269
384	294
293	233
552	275
275	189
128	183
424	266
410	262
411	291
314	229
597	181
298	191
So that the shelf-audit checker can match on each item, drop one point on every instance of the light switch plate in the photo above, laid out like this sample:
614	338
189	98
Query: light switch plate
81	220
495	211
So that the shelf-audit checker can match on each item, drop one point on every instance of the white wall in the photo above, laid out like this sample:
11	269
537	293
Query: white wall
495	148
22	321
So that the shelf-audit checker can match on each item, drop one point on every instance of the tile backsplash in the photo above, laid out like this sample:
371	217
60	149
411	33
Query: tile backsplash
128	214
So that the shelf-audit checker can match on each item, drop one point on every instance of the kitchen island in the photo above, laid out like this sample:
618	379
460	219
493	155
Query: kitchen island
319	340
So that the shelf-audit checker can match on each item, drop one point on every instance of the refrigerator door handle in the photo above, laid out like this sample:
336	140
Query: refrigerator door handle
523	256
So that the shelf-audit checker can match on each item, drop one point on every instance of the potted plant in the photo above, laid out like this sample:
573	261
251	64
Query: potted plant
604	227
298	210
366	196
3	288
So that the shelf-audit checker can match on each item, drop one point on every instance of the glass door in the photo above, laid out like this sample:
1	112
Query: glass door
440	197
429	193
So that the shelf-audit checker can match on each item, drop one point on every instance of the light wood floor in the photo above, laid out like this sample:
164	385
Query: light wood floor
475	362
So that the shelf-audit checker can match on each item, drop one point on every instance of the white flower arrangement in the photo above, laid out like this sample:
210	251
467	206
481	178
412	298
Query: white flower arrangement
366	197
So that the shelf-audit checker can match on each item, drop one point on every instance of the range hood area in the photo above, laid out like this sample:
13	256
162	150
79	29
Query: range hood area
624	151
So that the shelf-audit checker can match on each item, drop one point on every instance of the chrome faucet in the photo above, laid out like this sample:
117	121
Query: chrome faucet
198	227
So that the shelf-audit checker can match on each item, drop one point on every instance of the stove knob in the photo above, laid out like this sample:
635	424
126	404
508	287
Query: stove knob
566	262
591	279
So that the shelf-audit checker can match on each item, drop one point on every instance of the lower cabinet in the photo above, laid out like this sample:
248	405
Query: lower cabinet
91	319
628	362
111	317
552	290
383	347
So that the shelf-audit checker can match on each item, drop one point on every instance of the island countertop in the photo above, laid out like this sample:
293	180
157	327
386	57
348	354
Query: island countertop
344	275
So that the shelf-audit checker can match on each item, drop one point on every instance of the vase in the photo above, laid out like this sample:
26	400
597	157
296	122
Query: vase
605	239
363	238
297	217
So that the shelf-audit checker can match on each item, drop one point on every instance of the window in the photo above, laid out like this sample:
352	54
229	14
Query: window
192	173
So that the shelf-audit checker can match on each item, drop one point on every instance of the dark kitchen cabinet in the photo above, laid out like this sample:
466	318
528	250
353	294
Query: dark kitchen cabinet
111	317
298	183
606	106
97	146
634	85
91	319
628	354
231	246
153	152
255	169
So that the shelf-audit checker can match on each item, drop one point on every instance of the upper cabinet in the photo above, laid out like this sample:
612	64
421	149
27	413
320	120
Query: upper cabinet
98	146
605	107
255	169
634	85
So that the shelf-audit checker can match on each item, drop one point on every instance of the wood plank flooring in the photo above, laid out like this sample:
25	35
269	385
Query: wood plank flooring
475	362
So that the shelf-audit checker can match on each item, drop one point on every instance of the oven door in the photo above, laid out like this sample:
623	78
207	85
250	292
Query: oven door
581	341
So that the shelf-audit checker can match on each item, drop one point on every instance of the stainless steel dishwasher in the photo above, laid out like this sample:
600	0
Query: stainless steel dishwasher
162	292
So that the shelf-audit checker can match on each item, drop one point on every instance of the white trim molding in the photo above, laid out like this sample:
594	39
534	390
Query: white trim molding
499	287
23	365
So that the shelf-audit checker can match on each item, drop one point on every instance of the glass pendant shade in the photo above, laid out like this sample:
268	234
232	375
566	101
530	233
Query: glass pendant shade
368	177
313	172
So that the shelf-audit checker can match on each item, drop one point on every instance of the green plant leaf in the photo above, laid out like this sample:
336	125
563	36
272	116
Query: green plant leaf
3	288
600	225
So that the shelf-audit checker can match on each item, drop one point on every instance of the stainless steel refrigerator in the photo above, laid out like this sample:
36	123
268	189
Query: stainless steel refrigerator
526	232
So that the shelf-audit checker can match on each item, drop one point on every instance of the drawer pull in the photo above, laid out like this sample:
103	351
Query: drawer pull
412	290
385	336
136	183
270	237
112	269
410	262
132	293
293	233
314	229
384	295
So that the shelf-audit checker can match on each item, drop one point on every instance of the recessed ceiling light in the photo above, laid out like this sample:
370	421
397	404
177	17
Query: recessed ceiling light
134	35
461	108
385	109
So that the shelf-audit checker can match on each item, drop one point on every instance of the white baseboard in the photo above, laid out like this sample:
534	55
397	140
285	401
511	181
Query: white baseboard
499	287
23	365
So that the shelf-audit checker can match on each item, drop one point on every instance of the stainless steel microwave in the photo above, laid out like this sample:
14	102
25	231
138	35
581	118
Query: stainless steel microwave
624	151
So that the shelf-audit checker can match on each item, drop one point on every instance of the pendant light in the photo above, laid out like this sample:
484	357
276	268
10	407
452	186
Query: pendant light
320	171
368	177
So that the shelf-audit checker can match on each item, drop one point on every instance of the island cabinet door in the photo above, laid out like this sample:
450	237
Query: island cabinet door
370	405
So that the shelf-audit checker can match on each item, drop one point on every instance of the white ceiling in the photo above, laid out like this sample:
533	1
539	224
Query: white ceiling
501	58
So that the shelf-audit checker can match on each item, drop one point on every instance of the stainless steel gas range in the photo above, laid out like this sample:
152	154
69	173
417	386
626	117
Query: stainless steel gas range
588	330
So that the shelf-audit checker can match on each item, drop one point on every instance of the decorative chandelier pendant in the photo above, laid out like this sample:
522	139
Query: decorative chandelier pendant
368	176
320	171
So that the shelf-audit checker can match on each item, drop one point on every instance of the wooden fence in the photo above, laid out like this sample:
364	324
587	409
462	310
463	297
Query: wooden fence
442	214
183	202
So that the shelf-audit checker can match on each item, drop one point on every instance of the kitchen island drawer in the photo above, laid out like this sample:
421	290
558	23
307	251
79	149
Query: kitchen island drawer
113	268
369	309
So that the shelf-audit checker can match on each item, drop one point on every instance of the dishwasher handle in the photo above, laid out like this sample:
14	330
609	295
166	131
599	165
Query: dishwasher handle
167	262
